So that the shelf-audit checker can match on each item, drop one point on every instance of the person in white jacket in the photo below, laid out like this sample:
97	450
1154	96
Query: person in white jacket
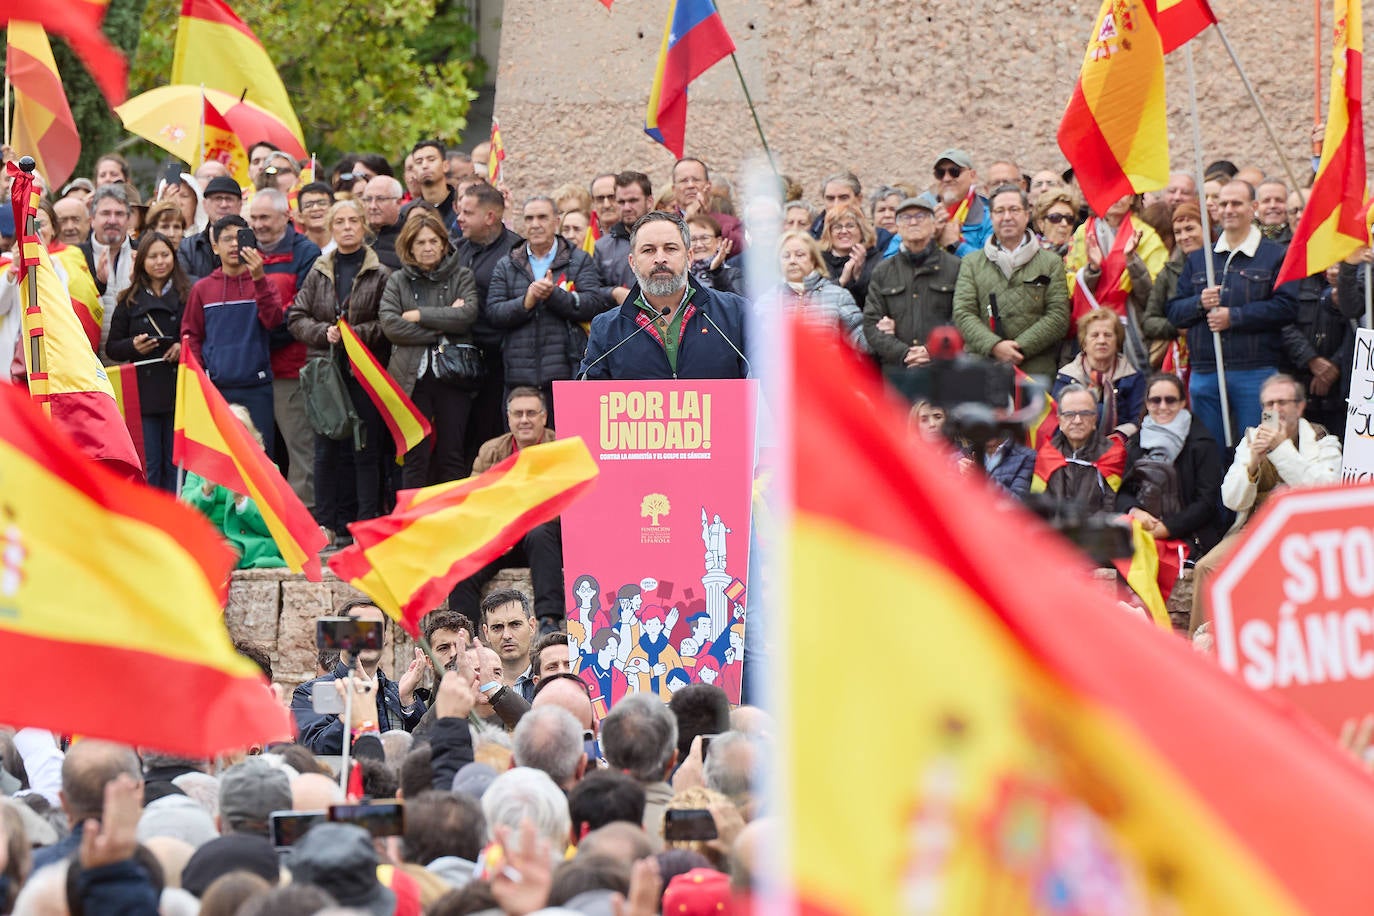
1283	451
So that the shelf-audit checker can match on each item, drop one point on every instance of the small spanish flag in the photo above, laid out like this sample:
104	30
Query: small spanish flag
593	233
110	606
124	382
408	426
496	172
410	560
208	439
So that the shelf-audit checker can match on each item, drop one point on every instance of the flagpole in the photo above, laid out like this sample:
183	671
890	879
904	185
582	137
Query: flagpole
1259	109
753	111
37	365
1206	235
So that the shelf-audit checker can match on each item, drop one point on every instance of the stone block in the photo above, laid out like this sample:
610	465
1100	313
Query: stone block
252	610
301	603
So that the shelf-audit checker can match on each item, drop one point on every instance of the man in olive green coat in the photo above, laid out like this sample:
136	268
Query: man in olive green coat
1011	301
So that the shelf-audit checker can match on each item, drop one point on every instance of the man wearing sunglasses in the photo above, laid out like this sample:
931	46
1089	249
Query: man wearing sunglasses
969	223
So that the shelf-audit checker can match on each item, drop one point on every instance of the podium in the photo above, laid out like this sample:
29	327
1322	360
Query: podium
656	557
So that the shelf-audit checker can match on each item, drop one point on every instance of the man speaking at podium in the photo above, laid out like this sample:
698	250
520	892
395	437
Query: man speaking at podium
669	327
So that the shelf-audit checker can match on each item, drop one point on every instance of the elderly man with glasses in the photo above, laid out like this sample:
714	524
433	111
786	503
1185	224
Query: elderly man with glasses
382	199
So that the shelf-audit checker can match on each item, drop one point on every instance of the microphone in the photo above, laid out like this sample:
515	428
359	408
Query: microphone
749	368
624	340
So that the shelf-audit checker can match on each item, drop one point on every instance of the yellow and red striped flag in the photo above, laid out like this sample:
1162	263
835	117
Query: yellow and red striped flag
215	49
1332	224
208	439
496	172
1050	754
43	123
110	606
1114	132
593	233
1180	20
65	375
124	384
410	560
220	144
408	426
78	21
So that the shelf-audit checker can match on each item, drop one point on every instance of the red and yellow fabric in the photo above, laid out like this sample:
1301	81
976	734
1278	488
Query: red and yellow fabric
1142	573
215	49
592	234
1114	131
495	170
1332	225
410	560
43	124
82	289
1180	20
408	426
1046	422
1048	459
1053	754
67	379
220	144
78	21
208	439
1114	283
124	384
959	212
110	606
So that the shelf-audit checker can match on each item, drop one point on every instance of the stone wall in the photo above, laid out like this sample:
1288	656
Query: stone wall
879	88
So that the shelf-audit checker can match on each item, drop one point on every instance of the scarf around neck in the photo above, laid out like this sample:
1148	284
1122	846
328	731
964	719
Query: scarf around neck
1009	262
1164	441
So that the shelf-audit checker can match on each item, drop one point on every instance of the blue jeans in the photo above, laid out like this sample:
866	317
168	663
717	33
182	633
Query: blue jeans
257	400
1243	393
157	451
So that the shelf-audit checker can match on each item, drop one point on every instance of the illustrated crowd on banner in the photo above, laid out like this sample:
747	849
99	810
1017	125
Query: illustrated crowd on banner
651	636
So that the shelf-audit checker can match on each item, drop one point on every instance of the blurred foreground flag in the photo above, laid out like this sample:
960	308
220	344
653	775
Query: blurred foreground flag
1017	744
110	605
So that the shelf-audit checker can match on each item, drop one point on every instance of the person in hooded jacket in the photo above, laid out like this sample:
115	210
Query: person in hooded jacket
146	325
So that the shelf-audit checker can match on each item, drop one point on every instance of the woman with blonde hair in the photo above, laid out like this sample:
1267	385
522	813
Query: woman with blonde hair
1102	368
809	292
848	245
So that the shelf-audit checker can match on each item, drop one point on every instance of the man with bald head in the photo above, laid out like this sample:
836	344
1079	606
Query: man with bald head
1271	211
1182	188
566	691
88	767
314	792
73	221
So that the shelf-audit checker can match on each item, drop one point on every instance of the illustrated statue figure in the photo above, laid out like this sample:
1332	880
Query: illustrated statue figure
713	536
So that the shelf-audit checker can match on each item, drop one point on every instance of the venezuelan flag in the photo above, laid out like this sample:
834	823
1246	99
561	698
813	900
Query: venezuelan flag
110	616
43	124
208	439
693	41
1114	132
408	426
1022	745
410	560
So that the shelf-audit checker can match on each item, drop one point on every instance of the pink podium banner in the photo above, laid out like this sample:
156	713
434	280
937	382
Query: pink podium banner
656	557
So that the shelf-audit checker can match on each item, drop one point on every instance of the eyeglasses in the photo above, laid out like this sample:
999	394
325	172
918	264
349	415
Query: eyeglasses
1166	400
523	414
1295	211
844	227
1058	218
356	176
914	216
369	201
1008	211
317	204
1277	402
273	170
604	198
948	171
1076	414
703	239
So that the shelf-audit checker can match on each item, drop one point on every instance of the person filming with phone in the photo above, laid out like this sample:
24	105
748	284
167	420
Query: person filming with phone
1285	450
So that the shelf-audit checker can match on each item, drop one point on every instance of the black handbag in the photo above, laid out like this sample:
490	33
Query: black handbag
458	365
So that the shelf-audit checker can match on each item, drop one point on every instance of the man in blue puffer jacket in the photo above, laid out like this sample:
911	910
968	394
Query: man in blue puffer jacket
669	326
227	323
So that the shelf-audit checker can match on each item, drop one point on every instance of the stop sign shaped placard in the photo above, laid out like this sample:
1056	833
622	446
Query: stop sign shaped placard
1293	607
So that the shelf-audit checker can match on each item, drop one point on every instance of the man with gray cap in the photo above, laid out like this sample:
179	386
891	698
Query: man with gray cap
340	859
912	292
956	177
248	794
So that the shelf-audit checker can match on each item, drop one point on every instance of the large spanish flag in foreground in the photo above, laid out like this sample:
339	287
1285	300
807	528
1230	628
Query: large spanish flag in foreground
110	615
410	560
217	50
408	426
1332	224
1114	132
78	21
65	376
208	439
1018	744
43	123
694	39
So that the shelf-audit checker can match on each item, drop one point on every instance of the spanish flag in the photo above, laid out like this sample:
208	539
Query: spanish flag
220	144
215	49
1046	423
1114	132
410	560
1142	573
496	172
1332	226
694	39
208	439
65	376
592	234
408	426
78	21
110	606
1180	20
1111	464
1024	746
43	123
124	384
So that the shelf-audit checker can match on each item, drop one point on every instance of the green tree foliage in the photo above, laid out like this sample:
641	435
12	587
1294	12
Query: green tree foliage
370	76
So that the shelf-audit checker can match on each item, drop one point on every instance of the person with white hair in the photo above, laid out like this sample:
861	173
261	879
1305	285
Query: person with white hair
550	739
526	794
639	737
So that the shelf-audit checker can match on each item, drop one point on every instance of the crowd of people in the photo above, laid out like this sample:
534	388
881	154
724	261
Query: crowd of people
520	792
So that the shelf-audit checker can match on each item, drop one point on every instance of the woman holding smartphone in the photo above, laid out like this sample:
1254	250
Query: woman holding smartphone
146	328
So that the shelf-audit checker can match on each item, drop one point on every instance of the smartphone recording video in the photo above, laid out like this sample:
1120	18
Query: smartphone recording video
286	827
380	819
682	824
344	634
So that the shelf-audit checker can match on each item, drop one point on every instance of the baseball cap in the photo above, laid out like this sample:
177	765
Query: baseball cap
223	184
698	892
957	156
922	201
220	856
341	860
251	791
83	184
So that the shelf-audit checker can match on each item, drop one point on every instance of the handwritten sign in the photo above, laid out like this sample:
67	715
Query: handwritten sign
1357	453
